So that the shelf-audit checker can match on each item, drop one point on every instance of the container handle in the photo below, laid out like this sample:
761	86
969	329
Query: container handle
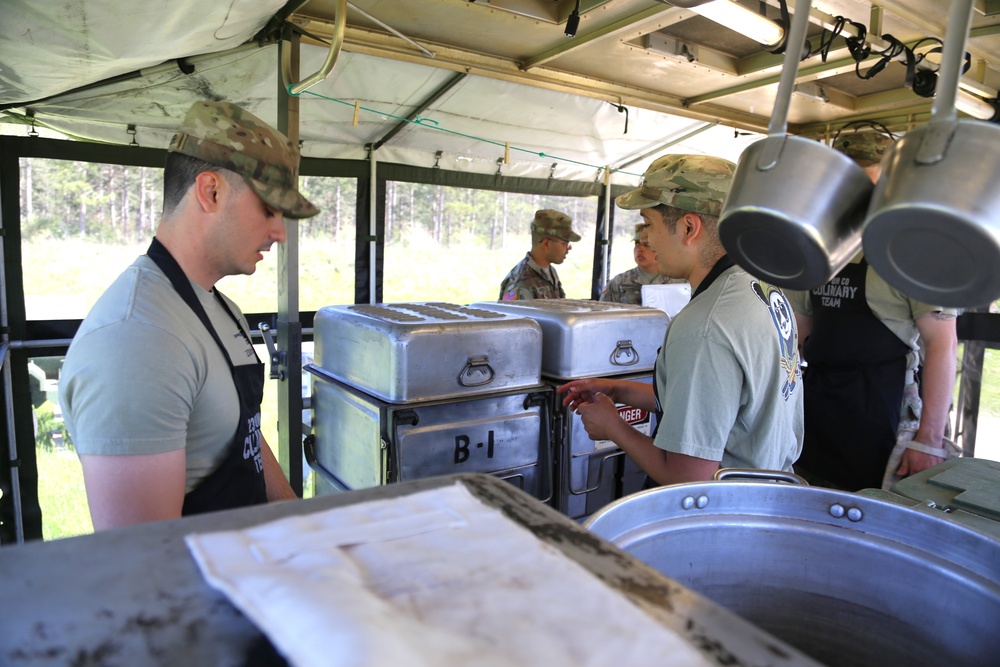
600	475
627	350
762	475
476	365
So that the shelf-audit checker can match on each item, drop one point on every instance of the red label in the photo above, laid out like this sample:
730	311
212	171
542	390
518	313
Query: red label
632	415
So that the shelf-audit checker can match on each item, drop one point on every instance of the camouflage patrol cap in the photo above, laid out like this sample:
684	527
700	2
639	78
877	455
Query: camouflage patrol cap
556	224
639	229
225	135
695	183
867	147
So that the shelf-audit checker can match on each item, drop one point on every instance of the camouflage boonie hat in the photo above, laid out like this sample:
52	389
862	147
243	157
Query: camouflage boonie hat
695	183
226	136
639	228
867	148
554	223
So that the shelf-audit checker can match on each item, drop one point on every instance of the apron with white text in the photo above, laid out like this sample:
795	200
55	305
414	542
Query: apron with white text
239	479
853	385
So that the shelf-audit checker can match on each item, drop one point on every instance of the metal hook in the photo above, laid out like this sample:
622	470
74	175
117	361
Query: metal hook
131	131
339	23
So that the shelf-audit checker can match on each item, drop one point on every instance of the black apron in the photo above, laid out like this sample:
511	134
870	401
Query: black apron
853	386
239	479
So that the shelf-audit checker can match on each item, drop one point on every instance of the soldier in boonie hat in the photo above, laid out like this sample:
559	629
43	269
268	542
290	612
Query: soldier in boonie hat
866	147
555	224
225	135
695	183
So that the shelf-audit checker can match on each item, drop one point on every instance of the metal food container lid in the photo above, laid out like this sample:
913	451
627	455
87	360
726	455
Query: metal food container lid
404	352
586	338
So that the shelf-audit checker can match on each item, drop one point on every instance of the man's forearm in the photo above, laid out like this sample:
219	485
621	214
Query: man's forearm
636	394
278	487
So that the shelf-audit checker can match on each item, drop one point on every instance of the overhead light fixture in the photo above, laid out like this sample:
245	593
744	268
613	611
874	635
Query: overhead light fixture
573	22
976	106
736	17
925	84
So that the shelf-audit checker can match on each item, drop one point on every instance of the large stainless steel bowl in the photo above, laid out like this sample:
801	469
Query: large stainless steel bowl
846	579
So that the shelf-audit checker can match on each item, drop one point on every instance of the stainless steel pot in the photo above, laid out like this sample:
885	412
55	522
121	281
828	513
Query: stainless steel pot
847	579
795	209
933	226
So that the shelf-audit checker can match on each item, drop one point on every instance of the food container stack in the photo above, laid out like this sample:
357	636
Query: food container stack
404	391
582	339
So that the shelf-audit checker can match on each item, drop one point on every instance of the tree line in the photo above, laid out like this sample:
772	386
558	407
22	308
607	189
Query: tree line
120	204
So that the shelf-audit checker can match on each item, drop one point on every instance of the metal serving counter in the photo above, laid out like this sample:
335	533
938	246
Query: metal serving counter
136	597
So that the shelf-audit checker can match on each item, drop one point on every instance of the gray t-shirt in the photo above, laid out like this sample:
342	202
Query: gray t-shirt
728	377
144	376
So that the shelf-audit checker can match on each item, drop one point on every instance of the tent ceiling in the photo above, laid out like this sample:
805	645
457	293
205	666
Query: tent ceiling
487	80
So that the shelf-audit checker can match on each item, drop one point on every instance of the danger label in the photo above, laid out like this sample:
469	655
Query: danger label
632	415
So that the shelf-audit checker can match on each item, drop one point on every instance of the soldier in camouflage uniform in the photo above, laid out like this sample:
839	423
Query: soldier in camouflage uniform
172	426
727	386
535	277
862	338
626	287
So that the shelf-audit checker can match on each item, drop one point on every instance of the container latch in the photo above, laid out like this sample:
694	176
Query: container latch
277	356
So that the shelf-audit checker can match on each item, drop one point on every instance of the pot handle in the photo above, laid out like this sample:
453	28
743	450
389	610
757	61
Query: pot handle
790	68
762	475
778	125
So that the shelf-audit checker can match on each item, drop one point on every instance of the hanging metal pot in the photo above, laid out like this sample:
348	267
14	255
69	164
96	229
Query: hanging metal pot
847	579
794	213
933	226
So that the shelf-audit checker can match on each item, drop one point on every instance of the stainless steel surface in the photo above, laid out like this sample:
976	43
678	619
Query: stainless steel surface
362	441
933	227
136	597
794	213
583	338
402	352
848	579
933	230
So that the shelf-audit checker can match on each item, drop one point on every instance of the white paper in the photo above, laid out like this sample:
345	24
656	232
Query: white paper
433	579
668	298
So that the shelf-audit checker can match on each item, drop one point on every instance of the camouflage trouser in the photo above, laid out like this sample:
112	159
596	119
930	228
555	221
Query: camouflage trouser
909	422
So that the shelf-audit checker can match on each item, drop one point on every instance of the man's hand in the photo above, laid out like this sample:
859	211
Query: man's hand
600	418
581	392
914	461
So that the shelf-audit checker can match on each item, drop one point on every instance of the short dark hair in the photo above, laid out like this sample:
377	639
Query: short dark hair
671	216
179	173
